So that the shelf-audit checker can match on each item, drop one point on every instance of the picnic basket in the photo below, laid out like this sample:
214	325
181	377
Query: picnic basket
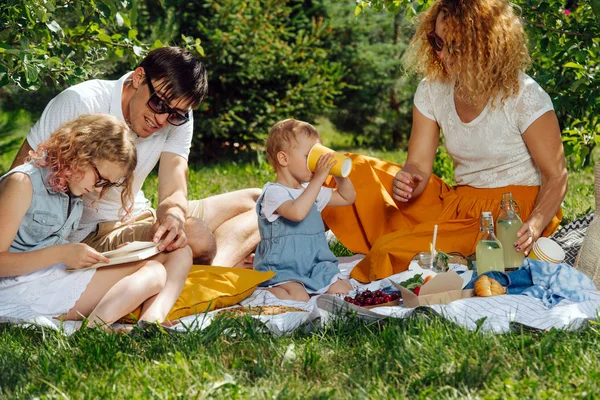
588	258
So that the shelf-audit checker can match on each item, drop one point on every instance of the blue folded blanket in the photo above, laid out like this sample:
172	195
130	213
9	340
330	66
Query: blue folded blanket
546	281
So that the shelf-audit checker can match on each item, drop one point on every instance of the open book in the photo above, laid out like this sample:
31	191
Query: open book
134	251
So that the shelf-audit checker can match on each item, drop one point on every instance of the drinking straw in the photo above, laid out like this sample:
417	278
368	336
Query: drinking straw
433	252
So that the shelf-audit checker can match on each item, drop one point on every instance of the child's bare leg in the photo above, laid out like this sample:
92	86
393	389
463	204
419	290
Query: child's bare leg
178	264
279	292
297	291
341	286
116	291
290	291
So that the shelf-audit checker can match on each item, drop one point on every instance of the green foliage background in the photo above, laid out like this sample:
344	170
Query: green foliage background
274	59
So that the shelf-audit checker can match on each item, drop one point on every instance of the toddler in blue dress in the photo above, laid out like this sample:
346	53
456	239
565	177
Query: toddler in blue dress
291	230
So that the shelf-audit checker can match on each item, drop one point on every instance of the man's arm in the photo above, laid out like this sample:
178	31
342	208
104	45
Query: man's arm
172	201
21	155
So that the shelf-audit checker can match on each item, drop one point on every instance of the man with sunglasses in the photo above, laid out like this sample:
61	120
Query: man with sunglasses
156	100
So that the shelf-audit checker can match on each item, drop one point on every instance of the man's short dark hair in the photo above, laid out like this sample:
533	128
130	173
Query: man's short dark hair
181	74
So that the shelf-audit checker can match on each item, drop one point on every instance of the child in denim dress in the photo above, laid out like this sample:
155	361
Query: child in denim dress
292	233
40	205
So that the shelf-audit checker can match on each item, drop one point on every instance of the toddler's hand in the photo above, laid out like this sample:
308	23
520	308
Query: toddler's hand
324	165
80	255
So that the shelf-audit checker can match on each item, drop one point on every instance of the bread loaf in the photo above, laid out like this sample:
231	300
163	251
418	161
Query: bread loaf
485	287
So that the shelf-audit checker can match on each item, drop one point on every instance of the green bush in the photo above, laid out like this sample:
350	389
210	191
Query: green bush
376	104
60	42
267	60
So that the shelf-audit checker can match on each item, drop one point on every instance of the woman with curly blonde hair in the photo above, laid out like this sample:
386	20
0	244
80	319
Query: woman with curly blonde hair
40	205
499	128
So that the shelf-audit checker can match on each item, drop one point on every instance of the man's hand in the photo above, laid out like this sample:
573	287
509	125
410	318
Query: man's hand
171	229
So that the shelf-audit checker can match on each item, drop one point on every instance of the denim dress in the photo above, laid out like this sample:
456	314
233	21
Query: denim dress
53	290
295	251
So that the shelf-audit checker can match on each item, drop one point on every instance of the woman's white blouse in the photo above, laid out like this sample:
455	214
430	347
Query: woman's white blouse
488	152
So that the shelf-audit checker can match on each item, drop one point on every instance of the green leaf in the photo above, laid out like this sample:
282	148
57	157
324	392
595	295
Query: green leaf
157	44
31	73
52	62
104	37
596	7
54	27
571	64
132	34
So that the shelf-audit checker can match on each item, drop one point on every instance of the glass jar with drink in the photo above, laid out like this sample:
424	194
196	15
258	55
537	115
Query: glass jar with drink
489	253
508	225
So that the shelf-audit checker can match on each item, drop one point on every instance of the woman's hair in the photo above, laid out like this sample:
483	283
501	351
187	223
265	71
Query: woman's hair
88	139
284	135
486	45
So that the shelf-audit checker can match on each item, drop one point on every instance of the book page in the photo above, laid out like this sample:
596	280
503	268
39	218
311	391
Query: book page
134	251
128	248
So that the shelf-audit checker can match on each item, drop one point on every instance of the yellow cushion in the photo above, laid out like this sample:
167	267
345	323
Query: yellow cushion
208	288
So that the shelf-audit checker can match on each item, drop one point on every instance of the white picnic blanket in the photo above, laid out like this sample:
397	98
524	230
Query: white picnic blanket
496	314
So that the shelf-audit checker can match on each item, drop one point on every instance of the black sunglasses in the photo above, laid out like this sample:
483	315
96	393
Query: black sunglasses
159	106
435	41
103	182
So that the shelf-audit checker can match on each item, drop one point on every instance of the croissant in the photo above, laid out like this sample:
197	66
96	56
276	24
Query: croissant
485	287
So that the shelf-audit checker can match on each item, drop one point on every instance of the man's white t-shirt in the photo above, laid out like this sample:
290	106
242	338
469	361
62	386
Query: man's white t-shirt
276	194
488	152
100	96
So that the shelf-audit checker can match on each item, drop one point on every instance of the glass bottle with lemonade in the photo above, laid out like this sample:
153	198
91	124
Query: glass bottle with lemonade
507	227
489	253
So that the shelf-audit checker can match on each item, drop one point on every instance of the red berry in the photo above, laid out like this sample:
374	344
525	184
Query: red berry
417	290
368	302
367	293
348	299
378	293
395	296
387	298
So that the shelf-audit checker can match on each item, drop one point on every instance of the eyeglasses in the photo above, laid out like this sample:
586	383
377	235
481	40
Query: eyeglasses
159	106
435	41
103	182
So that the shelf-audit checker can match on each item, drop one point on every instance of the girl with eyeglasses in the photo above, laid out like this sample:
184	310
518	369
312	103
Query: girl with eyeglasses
40	205
499	127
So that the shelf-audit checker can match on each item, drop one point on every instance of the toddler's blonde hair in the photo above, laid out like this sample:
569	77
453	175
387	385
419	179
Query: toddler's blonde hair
284	135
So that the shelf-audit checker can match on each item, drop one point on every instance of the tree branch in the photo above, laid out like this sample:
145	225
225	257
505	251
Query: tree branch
564	32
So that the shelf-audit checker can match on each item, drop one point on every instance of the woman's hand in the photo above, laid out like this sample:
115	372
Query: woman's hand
405	185
527	236
80	255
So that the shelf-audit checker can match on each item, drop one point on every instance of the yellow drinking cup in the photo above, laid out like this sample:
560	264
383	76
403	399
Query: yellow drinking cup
342	167
545	249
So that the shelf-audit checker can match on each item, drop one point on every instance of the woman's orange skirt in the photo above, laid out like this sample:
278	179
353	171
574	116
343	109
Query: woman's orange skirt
391	233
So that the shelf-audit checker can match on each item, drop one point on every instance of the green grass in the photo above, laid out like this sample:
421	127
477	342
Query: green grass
425	357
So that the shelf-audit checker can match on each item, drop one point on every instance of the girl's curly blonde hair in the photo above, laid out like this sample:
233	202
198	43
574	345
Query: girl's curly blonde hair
486	45
88	139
